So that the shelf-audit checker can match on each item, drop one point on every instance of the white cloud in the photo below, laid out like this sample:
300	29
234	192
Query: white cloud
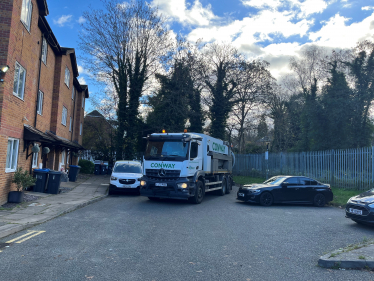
82	81
258	28
81	20
367	8
337	34
306	8
63	20
178	10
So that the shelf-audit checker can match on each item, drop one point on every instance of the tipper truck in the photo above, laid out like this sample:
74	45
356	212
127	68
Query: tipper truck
186	166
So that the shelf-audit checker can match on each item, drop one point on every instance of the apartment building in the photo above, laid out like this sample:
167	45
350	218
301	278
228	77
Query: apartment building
41	100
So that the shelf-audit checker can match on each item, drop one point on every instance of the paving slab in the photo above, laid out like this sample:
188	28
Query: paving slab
359	256
49	206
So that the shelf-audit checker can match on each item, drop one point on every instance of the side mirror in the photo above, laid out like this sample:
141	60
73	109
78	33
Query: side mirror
284	184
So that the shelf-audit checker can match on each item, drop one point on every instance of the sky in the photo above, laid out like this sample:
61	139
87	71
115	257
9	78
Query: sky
272	30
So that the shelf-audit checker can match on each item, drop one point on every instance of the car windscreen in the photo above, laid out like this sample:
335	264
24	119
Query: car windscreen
127	168
174	150
275	180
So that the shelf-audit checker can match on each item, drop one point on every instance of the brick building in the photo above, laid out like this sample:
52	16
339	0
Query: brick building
41	100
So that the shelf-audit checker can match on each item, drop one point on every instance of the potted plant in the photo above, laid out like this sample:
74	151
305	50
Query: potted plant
22	179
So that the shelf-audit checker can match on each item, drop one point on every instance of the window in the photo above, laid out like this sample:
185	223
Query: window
194	150
63	157
35	160
292	181
72	93
83	102
67	76
26	13
64	115
19	81
71	123
40	103
12	155
80	129
307	181
44	51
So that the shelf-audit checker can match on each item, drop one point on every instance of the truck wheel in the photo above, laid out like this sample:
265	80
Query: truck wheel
229	185
199	193
223	191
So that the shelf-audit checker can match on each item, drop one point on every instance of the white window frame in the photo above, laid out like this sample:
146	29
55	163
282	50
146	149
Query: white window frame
44	51
73	93
26	13
71	124
20	93
8	166
35	159
67	77
64	115
40	102
63	154
80	129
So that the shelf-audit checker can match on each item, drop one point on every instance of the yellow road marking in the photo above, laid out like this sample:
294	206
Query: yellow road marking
27	238
29	235
29	232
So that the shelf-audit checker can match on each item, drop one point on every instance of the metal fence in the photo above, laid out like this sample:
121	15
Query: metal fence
347	168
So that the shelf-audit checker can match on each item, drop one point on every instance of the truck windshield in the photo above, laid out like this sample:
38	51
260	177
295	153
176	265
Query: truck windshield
166	150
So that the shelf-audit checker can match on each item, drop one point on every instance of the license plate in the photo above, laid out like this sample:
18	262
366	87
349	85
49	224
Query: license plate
355	211
161	184
241	194
126	186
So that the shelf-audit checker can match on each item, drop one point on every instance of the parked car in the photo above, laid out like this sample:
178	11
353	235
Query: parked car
287	189
360	208
125	176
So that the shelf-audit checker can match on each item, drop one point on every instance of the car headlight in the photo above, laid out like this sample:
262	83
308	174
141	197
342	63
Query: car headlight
256	191
182	185
371	205
143	183
113	178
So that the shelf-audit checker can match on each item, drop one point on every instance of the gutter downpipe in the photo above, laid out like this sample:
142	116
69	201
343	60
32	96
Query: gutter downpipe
37	93
73	119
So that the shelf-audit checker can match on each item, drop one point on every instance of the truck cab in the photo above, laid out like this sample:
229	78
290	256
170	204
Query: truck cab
179	165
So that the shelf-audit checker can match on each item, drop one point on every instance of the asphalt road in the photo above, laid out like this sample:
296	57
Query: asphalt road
132	238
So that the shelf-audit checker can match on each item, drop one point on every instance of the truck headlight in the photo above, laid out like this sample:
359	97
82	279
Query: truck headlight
182	185
113	178
143	183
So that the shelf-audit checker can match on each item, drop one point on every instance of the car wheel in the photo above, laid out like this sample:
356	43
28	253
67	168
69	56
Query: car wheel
319	200
266	199
228	186
154	198
199	193
223	190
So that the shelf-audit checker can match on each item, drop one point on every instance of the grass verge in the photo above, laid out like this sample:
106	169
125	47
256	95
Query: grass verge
341	196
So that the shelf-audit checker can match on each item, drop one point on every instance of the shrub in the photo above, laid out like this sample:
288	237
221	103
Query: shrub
23	179
87	167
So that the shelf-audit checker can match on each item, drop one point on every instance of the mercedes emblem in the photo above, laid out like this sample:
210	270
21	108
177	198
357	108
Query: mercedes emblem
162	172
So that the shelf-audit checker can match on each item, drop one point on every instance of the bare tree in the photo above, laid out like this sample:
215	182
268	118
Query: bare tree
124	45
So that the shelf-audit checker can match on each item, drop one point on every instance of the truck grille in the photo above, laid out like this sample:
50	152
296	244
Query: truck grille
153	173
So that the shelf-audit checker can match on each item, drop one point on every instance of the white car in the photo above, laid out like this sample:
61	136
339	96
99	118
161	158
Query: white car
125	176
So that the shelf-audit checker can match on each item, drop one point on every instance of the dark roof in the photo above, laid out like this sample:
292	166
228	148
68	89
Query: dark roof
71	52
65	142
33	134
43	7
95	113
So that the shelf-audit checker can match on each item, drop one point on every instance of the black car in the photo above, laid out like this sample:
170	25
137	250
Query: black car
287	189
360	208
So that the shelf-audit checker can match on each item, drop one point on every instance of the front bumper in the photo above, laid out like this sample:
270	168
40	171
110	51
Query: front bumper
367	213
247	195
170	191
